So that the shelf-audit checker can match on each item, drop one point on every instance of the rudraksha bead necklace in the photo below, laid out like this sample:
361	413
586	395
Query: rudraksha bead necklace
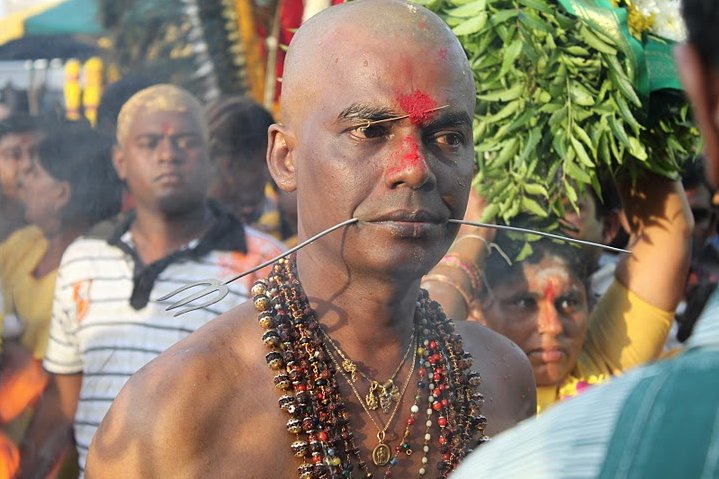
319	420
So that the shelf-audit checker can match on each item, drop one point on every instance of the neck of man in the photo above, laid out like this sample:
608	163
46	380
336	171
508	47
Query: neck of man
370	316
57	243
157	235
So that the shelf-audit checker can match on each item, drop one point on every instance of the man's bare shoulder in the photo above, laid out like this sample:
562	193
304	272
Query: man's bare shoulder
173	409
507	379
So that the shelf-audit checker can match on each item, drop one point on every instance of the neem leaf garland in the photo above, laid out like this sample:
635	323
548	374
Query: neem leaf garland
564	90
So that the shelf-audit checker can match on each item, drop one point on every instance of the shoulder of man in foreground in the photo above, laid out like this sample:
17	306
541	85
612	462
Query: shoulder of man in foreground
508	383
617	426
170	417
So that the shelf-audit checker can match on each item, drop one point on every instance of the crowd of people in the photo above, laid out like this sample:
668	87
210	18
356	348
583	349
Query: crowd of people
396	346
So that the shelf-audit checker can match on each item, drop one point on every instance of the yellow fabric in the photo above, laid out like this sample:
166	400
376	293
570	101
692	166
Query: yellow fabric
624	331
29	298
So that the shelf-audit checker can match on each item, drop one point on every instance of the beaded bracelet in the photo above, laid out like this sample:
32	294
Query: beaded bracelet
469	269
441	278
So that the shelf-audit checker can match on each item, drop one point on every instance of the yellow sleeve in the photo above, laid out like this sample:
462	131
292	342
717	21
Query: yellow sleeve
624	331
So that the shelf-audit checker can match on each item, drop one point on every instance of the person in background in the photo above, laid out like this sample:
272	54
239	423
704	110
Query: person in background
600	220
68	186
19	135
542	303
657	421
105	322
238	145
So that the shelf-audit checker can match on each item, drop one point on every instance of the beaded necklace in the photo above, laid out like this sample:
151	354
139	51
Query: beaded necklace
306	376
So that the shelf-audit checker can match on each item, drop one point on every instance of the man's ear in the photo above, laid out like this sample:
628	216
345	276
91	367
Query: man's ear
701	84
281	157
64	192
118	161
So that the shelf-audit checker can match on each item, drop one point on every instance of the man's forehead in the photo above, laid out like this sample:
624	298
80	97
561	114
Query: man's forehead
21	137
165	122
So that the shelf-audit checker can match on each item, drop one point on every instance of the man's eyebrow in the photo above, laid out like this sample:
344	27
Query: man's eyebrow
449	118
359	111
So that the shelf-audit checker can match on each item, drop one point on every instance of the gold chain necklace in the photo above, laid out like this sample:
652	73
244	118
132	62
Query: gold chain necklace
380	394
382	453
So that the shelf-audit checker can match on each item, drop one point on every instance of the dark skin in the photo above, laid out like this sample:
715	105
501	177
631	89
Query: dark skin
403	180
164	162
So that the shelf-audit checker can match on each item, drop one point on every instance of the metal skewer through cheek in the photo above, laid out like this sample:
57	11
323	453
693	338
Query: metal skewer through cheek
220	290
517	229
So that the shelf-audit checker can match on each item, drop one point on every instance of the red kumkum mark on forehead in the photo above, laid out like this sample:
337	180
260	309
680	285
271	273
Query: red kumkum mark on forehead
417	105
550	291
167	128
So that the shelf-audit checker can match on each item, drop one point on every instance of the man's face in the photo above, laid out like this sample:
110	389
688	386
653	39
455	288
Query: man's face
164	161
584	224
543	309
16	153
403	179
240	184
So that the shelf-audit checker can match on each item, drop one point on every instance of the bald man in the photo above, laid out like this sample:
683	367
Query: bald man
341	366
105	324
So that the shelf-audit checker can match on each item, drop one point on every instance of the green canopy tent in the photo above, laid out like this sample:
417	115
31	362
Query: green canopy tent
70	17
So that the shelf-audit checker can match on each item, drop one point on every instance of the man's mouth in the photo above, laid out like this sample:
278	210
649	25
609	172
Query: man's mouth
548	355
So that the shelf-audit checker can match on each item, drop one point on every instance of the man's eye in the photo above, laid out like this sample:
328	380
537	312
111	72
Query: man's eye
524	303
16	154
147	144
187	142
569	305
365	132
452	139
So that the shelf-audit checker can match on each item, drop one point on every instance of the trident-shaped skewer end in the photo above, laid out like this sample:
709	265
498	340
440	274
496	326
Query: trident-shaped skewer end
210	286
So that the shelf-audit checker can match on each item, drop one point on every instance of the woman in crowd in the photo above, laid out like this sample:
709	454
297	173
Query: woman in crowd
66	188
542	303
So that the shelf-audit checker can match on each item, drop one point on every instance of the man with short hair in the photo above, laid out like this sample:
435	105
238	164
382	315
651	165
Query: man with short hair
658	421
106	323
367	377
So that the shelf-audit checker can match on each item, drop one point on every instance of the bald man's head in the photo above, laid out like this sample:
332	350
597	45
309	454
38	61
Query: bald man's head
360	28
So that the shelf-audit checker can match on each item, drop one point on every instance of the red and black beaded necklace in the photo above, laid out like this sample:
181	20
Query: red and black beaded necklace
318	418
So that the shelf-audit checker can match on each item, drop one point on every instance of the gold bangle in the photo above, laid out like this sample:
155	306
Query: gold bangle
441	278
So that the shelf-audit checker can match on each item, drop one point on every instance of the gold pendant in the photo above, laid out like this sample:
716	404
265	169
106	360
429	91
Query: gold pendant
381	454
350	368
389	393
371	398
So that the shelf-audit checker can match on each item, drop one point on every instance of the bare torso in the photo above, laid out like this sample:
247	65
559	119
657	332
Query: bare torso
208	408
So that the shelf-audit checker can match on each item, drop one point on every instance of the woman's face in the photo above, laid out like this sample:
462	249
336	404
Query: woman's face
42	196
543	308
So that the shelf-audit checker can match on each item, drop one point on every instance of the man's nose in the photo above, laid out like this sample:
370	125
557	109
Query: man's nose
168	149
409	166
549	321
